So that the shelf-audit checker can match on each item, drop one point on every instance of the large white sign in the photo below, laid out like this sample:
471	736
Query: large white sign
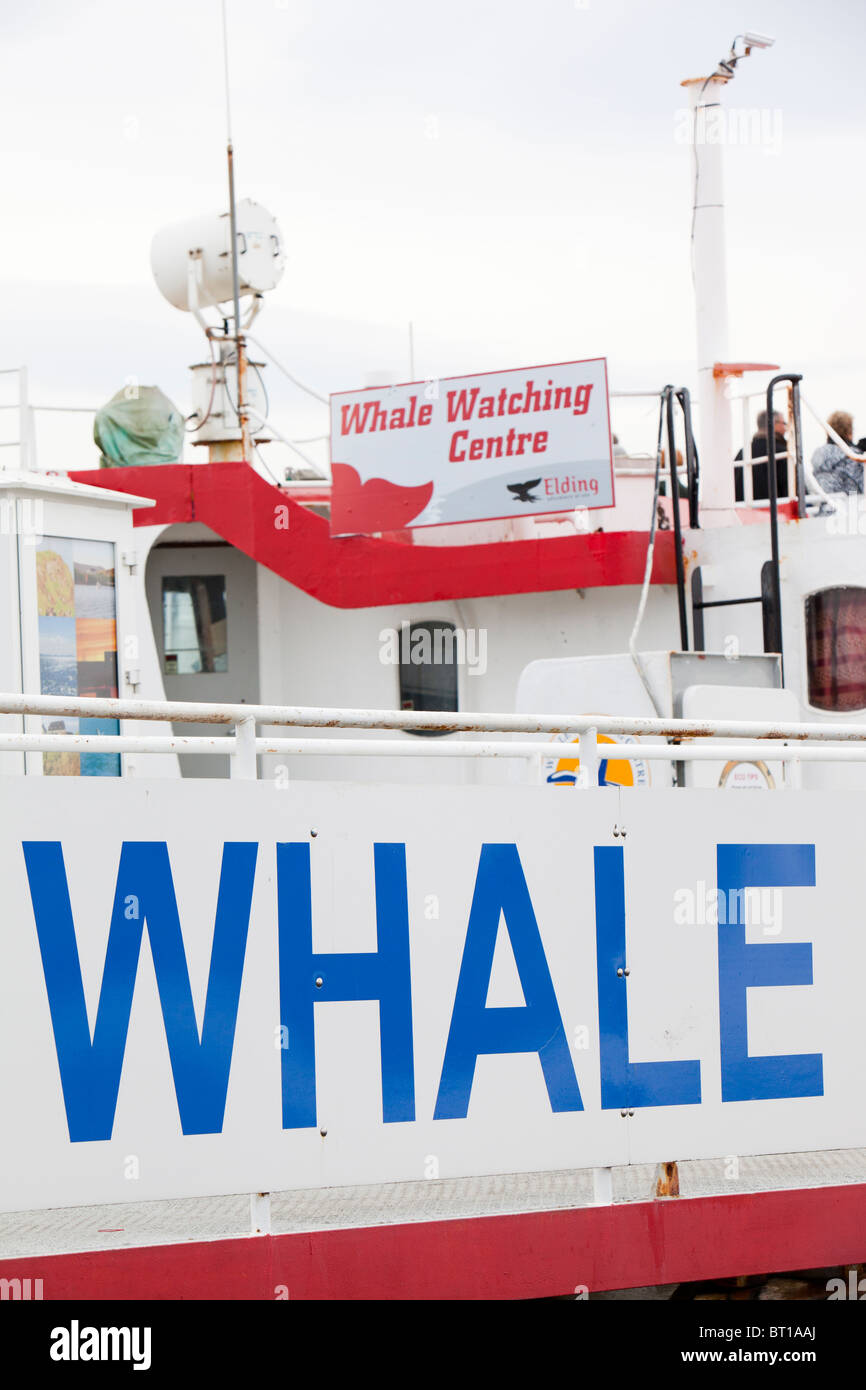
200	996
503	444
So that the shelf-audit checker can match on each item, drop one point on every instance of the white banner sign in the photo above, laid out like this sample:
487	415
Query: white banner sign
503	444
197	996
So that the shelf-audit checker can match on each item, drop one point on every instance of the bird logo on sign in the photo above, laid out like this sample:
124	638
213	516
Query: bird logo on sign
523	491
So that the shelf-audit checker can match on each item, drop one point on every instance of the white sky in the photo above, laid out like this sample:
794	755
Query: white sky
505	175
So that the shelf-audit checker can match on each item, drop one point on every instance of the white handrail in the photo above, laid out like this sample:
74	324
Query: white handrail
322	717
722	750
714	750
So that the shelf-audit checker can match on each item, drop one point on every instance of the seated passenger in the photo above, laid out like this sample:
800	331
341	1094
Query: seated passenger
834	471
759	449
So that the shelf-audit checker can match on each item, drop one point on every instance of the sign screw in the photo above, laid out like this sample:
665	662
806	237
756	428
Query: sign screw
622	972
319	982
313	834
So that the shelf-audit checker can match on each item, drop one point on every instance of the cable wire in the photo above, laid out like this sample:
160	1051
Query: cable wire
644	594
724	68
264	423
285	371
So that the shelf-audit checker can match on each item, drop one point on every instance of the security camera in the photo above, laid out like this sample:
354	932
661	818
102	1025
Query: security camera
757	41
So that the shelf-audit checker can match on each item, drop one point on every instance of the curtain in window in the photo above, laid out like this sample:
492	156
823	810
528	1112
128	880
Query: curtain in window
836	648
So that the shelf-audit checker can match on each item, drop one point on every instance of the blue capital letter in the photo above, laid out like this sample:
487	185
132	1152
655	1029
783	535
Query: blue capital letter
500	890
624	1084
382	975
745	966
90	1070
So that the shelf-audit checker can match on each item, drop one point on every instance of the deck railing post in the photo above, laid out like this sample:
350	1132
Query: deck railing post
792	773
244	756
602	1187
587	748
260	1213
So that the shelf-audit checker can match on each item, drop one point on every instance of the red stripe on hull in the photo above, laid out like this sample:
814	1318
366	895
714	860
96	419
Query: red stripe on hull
366	572
532	1255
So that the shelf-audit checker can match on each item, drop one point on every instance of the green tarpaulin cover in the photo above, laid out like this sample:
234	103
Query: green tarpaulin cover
138	426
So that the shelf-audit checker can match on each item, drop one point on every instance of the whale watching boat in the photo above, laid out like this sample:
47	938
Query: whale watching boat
381	919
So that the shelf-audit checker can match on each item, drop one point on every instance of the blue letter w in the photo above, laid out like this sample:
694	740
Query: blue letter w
90	1069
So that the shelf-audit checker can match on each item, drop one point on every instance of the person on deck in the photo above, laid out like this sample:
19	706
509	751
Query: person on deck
760	450
834	471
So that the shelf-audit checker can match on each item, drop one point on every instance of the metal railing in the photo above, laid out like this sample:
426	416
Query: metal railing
687	471
802	483
631	465
782	741
26	441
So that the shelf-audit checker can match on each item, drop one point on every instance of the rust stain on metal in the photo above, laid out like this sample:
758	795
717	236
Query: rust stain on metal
668	1181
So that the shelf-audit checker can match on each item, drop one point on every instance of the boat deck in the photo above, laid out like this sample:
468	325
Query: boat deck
130	1224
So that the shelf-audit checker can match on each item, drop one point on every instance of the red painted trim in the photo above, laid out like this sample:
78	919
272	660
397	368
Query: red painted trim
365	572
722	369
532	1255
169	484
752	516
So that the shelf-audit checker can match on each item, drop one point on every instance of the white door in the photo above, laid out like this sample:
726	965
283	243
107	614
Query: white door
202	600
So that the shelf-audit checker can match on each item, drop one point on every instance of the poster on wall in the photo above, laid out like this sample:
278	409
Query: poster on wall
77	615
498	445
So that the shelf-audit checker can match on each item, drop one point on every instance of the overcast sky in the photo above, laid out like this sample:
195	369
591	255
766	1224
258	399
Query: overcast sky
507	176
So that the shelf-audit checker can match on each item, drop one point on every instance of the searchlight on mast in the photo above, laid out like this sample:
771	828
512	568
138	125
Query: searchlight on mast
214	261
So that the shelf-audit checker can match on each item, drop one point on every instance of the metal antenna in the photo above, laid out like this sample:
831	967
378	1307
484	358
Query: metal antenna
239	341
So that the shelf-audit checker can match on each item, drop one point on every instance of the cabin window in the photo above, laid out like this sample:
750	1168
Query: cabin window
836	648
194	624
428	667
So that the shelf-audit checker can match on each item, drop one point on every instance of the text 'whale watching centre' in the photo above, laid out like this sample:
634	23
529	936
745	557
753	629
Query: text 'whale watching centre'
472	448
